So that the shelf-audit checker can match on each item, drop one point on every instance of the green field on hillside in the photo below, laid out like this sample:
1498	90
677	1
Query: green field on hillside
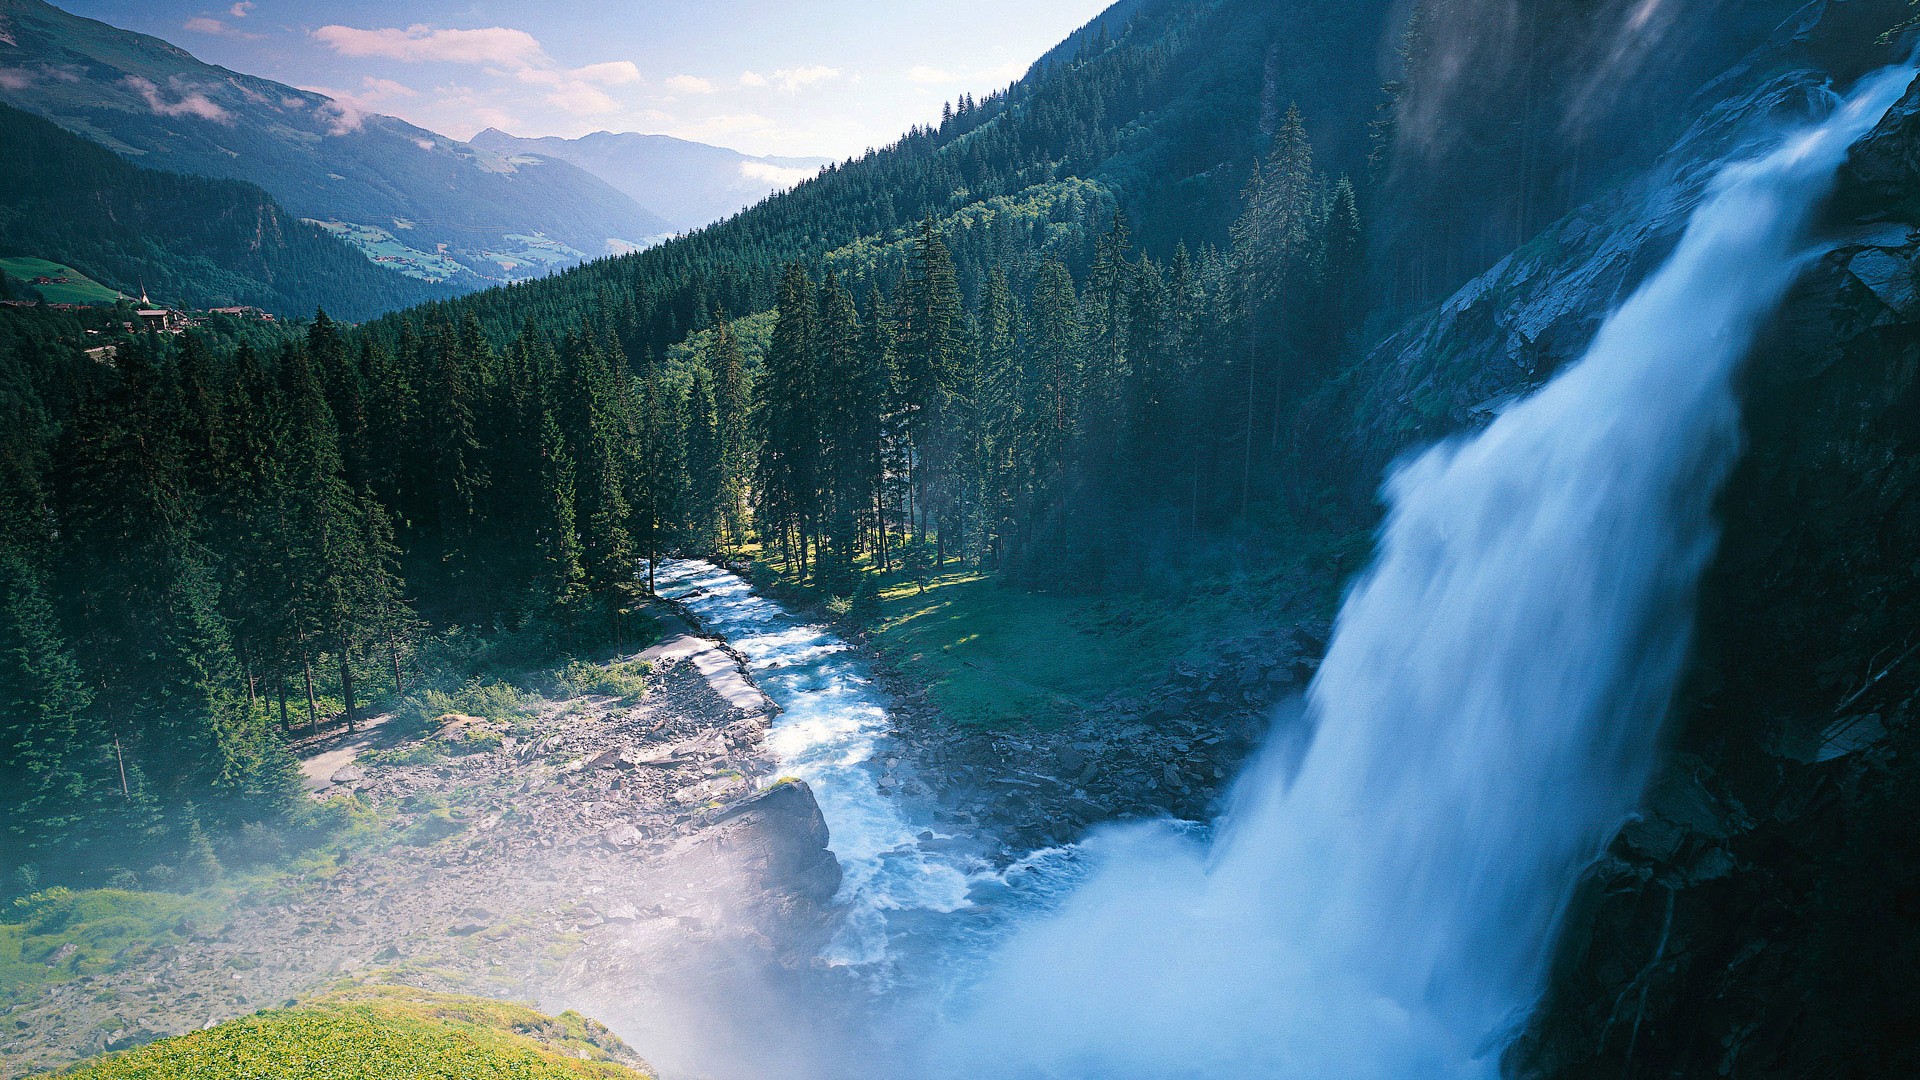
77	289
388	250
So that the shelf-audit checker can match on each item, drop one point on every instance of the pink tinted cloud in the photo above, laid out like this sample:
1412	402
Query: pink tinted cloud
498	45
191	103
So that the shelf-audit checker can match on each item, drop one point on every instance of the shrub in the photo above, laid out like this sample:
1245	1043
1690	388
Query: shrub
432	828
625	680
420	753
419	712
257	842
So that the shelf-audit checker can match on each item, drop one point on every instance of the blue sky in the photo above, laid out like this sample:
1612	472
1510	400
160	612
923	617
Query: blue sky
825	77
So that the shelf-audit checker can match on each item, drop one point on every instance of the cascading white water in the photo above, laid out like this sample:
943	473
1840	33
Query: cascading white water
832	727
1487	714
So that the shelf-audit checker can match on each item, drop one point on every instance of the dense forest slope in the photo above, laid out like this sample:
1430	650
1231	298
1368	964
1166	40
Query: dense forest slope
154	102
186	240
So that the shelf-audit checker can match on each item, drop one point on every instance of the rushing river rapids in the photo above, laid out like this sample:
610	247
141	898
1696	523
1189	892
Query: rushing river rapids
1383	907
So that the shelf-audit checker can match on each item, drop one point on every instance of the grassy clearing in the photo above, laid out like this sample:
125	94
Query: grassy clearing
383	1033
57	935
77	289
385	248
993	655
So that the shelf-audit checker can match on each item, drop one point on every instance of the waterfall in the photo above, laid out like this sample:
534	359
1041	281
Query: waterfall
1487	716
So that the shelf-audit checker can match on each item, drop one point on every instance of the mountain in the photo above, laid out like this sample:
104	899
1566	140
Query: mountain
690	184
413	200
187	240
1158	109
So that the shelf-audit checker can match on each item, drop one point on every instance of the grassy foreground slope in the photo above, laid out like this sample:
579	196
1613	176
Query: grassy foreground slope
383	1033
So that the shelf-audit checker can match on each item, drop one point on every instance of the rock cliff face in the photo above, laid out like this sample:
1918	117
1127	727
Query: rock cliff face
1761	917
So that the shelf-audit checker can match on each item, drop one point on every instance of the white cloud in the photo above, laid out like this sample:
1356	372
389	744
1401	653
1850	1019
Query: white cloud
15	78
191	103
502	52
498	45
611	73
425	144
794	80
776	175
349	109
239	10
929	76
583	99
488	116
690	84
752	78
204	25
378	88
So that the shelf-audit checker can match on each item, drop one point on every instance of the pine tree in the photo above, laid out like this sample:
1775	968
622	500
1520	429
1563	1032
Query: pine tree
733	428
558	536
786	484
706	473
930	342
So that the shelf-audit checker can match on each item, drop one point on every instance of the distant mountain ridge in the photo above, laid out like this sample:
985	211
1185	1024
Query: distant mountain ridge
691	184
188	240
492	219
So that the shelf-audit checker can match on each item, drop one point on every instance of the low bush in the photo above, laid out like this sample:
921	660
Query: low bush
626	680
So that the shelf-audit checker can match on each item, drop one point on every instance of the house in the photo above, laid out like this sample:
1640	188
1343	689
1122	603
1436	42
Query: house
160	320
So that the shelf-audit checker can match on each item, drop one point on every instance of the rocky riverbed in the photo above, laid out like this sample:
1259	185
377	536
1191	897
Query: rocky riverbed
643	861
503	872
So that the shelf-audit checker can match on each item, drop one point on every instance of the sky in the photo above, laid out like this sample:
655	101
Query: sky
826	78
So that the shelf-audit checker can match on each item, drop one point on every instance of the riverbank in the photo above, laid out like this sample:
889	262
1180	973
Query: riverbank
994	656
491	858
1041	715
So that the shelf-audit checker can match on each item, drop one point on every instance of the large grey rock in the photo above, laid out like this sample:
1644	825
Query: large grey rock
780	837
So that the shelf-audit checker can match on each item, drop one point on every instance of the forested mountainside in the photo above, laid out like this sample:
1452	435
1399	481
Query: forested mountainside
185	240
407	189
508	459
689	184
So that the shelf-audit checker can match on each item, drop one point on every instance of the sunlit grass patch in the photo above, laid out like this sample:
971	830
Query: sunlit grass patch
60	934
384	1033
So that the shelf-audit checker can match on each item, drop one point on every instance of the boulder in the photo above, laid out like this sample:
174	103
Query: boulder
779	836
623	836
